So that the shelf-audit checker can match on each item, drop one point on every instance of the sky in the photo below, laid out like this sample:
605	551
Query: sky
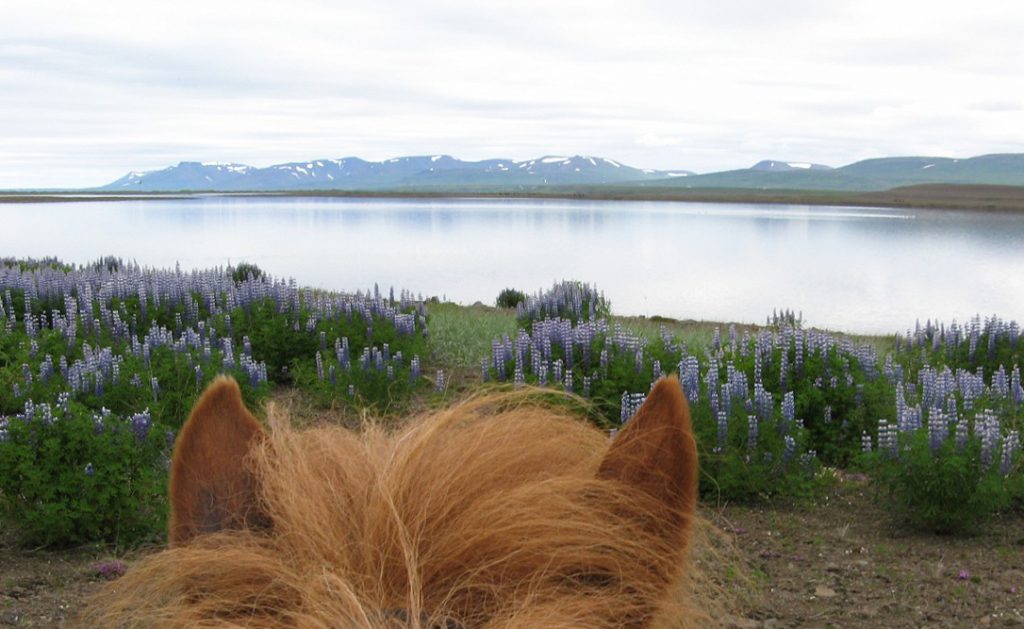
92	90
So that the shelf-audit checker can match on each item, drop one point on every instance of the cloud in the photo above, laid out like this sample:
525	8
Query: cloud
653	139
122	85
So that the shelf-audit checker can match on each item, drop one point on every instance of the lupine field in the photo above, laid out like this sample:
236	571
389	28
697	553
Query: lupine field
100	364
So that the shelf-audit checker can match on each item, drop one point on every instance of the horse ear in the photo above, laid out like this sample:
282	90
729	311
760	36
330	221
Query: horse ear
211	486
656	453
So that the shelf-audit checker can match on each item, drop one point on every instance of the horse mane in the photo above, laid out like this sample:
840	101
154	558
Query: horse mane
494	513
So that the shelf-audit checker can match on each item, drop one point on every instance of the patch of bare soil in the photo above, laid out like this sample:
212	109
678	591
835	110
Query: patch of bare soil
844	562
46	588
838	562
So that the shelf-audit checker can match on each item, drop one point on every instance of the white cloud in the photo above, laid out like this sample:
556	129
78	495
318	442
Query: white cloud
119	85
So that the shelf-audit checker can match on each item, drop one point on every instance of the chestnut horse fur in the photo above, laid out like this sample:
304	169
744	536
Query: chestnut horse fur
497	512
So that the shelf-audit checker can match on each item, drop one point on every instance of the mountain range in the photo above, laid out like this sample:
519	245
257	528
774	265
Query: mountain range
400	173
439	173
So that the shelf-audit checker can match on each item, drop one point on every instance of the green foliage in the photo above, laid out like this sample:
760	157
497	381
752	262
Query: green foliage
738	469
946	490
510	298
382	386
246	271
110	263
33	264
74	476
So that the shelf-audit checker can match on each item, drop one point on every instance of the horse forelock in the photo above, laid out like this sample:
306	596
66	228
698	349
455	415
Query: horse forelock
488	514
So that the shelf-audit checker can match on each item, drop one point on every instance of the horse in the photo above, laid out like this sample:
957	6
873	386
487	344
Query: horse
495	513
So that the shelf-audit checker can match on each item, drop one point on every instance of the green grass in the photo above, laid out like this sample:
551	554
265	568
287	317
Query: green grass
461	335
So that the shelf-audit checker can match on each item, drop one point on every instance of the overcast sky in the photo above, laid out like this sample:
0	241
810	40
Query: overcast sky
91	90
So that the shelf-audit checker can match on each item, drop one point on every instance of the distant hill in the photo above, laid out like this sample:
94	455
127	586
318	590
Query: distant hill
400	173
787	167
440	173
868	175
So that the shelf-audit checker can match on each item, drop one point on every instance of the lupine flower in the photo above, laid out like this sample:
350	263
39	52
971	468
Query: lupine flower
938	429
723	431
1011	446
140	425
986	426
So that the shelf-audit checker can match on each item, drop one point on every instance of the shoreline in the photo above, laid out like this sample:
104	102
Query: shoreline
921	197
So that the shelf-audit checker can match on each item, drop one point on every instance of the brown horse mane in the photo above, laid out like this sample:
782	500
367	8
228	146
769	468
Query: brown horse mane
494	513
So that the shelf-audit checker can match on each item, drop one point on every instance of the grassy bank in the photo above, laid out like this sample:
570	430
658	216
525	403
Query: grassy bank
924	197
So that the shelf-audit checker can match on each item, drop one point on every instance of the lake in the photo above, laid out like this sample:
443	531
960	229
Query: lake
864	270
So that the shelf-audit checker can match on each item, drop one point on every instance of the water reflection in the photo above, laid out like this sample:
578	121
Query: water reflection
858	269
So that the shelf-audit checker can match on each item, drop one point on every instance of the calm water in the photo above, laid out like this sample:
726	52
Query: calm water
852	269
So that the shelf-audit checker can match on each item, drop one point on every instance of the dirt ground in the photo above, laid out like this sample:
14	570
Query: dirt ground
844	562
838	562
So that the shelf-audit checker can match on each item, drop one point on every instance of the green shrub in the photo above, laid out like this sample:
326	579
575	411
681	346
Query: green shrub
510	298
71	476
244	271
945	488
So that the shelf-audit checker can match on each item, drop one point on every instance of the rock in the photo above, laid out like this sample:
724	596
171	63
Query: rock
823	591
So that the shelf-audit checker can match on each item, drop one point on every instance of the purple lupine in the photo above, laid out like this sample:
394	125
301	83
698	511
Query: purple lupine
1000	385
723	431
1011	446
865	442
631	403
961	434
986	426
807	460
140	424
938	428
519	380
789	406
789	448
